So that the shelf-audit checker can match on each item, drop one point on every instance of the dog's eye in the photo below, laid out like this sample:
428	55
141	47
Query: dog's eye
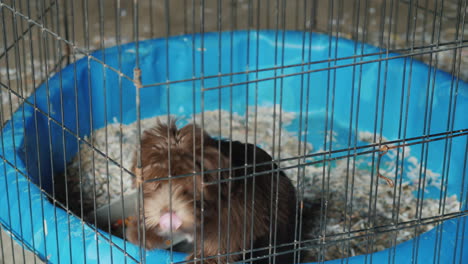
186	192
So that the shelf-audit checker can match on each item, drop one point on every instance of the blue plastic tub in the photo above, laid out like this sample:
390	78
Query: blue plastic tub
54	236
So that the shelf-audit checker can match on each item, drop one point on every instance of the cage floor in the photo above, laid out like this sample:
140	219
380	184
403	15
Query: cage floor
14	253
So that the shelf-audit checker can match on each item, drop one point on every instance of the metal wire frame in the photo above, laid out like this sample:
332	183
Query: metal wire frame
426	49
3	150
64	207
401	143
405	52
398	143
422	140
450	124
5	228
27	30
339	238
56	36
434	12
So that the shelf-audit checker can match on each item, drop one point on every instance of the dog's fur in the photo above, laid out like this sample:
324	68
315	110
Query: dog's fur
261	208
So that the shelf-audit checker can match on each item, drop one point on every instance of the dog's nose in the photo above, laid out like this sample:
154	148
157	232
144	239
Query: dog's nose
169	221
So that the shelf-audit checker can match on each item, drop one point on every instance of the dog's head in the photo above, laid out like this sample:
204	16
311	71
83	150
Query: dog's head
174	187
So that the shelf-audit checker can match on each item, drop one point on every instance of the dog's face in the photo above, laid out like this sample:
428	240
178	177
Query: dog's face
172	200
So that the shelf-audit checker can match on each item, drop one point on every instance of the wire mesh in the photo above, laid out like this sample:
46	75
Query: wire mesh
41	38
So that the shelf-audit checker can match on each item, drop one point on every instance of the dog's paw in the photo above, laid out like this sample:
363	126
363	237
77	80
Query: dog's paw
131	235
149	239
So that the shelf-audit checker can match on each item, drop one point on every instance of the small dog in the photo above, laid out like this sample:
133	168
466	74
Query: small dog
239	213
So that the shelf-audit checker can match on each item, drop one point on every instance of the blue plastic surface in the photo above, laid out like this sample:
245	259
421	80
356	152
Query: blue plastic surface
57	237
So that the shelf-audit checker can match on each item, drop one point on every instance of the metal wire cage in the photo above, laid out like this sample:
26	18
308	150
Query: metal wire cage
361	104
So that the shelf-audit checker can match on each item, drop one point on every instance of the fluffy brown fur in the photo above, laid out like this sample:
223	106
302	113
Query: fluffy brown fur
255	206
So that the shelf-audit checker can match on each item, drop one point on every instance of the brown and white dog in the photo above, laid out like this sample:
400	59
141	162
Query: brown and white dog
239	213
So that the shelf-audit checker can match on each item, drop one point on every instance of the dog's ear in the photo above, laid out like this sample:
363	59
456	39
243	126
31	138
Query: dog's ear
191	137
216	168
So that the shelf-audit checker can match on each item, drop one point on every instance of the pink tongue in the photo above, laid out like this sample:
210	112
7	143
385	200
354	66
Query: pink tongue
165	221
